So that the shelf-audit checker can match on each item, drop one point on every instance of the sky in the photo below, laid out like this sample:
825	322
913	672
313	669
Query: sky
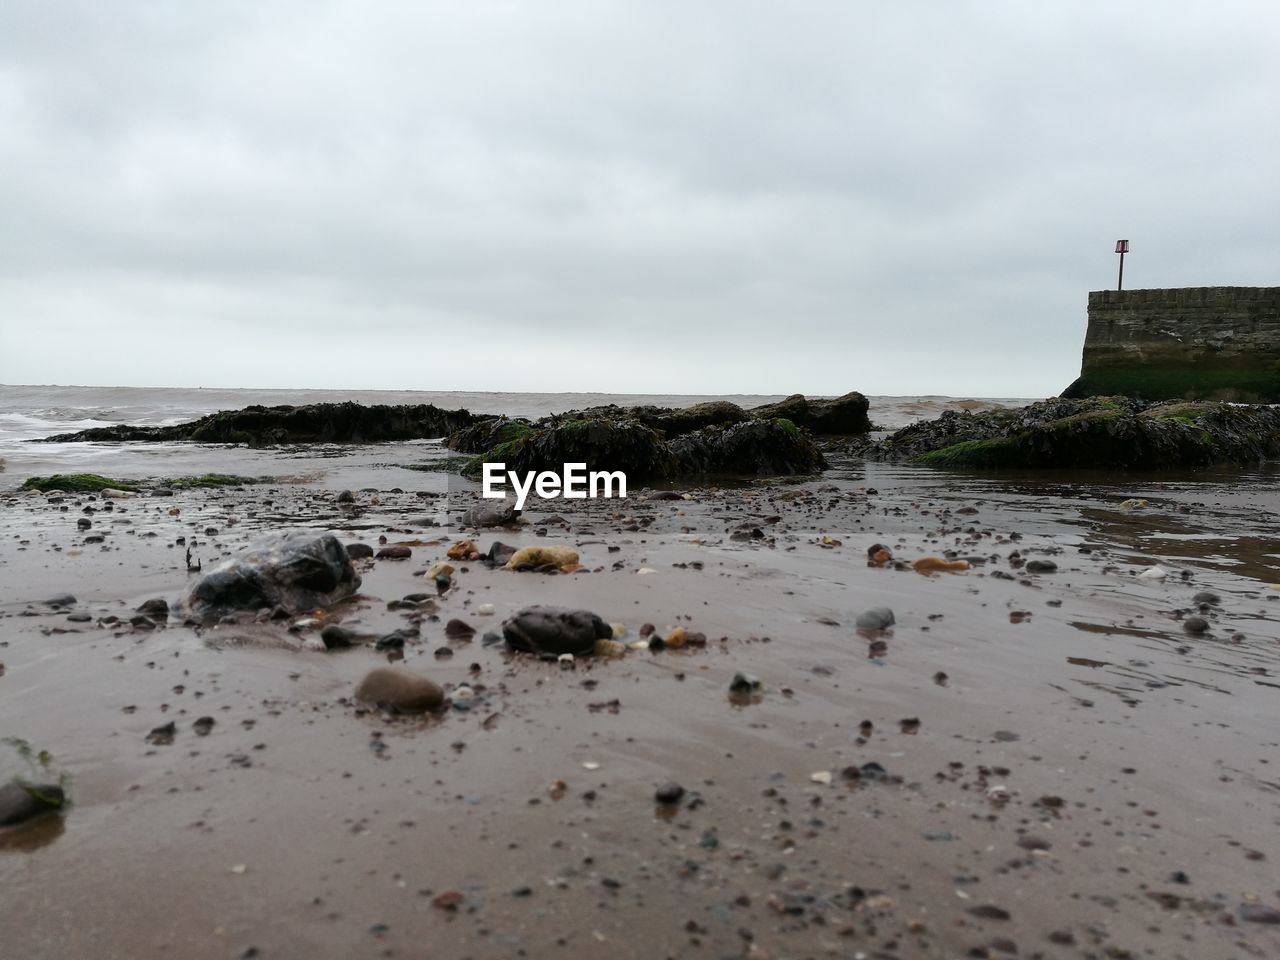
717	197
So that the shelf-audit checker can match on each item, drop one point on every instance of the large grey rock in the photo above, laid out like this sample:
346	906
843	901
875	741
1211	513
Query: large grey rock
555	631
296	571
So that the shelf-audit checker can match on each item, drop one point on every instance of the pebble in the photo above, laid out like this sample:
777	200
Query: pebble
1041	566
394	551
359	551
399	690
877	618
1207	596
669	794
744	683
1195	625
337	638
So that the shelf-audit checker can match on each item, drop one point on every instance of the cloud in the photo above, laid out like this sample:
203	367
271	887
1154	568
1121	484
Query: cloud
719	197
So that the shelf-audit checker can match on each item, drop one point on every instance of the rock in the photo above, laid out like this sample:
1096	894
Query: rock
203	725
457	629
931	565
1114	433
755	448
538	556
602	444
1207	596
1258	913
877	618
61	600
260	426
463	550
294	571
1041	566
20	802
490	515
400	691
359	551
338	638
156	609
669	794
394	551
841	415
440	569
346	496
499	553
743	684
487	434
554	631
1195	625
395	640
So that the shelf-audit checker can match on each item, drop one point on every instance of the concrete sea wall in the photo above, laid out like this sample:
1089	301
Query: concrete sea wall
1194	343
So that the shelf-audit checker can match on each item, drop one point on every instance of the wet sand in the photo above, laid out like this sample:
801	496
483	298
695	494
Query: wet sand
1087	780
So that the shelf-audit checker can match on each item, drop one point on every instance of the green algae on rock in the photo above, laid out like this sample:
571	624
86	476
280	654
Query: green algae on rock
1098	432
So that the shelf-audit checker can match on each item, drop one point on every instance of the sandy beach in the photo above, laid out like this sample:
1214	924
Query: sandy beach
1030	764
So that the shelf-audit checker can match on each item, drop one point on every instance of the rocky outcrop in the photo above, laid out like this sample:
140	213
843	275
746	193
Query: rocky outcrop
1099	432
313	423
750	448
295	571
845	415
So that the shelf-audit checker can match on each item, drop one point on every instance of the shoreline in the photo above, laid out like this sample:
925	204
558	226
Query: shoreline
342	819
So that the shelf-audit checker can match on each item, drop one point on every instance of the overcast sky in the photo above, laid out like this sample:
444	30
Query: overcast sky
695	197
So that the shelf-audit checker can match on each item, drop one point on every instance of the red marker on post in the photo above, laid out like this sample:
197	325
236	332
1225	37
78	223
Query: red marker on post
1122	247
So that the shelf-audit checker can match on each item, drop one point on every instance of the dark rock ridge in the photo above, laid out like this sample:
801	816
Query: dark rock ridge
658	443
297	571
751	448
839	416
1098	432
313	423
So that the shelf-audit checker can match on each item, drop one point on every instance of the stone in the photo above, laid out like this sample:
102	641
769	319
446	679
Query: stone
841	415
1041	566
259	426
61	600
457	629
537	556
400	691
490	515
338	638
395	640
499	553
295	571
156	609
669	794
394	551
1195	625
1207	596
346	496
554	631
20	802
744	684
877	618
359	551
